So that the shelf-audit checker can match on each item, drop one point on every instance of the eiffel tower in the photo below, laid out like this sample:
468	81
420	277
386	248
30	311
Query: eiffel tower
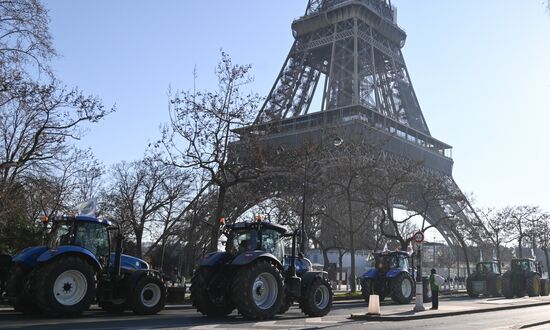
350	50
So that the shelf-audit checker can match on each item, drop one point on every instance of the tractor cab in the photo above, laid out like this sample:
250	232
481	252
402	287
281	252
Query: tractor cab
85	232
522	265
244	237
488	267
386	261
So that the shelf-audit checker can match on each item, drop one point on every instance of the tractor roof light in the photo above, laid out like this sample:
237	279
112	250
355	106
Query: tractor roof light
259	217
222	221
44	219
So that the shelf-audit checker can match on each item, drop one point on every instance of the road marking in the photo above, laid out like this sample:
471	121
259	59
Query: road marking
319	320
273	324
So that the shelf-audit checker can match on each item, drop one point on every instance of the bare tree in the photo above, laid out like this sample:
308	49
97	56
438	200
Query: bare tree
519	222
494	227
24	37
144	192
202	128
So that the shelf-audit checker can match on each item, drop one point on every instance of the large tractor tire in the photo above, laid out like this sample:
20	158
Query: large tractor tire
18	287
507	289
402	288
532	285
316	301
65	287
148	296
544	287
258	290
494	285
210	292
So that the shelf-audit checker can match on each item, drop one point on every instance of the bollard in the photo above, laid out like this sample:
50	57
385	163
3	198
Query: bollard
419	307
374	305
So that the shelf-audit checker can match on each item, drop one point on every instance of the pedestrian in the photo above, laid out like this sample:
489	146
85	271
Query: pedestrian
435	290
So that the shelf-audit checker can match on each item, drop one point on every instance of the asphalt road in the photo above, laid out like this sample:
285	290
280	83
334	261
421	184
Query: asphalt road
188	318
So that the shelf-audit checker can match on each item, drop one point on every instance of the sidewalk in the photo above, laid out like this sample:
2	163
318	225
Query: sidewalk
453	308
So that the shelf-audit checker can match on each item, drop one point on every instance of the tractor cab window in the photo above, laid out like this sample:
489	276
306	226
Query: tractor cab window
271	242
93	237
520	264
240	241
61	234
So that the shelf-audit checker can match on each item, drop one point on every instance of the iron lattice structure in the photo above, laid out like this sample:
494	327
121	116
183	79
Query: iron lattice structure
350	50
354	48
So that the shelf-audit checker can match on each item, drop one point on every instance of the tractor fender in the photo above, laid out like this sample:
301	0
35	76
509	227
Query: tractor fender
394	272
214	259
371	274
29	255
251	256
309	277
69	250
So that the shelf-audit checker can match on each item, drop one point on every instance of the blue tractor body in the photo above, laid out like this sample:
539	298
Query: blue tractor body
60	278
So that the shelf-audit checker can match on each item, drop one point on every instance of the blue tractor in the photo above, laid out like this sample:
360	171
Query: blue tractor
255	277
391	276
78	267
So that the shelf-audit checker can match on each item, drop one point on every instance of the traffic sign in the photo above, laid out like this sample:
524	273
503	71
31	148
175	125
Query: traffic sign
418	237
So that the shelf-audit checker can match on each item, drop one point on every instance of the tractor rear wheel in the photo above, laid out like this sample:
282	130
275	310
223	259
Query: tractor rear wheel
258	290
494	285
402	288
532	285
316	301
65	286
149	296
17	290
210	292
507	290
544	287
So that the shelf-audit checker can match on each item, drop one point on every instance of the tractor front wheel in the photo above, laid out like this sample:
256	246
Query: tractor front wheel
316	301
532	285
402	287
258	290
65	287
149	296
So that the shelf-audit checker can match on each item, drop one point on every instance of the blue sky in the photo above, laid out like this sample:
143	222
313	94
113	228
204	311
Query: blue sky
481	70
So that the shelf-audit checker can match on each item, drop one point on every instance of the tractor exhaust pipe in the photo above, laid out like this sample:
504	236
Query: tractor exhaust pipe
118	255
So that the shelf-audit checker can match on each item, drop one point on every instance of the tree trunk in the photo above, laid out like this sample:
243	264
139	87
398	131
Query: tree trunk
138	245
214	236
520	246
547	260
325	259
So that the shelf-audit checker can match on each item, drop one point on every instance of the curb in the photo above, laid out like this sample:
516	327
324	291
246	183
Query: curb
438	315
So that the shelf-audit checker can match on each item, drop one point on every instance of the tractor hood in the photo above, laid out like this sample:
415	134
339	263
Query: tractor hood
214	259
30	255
129	263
